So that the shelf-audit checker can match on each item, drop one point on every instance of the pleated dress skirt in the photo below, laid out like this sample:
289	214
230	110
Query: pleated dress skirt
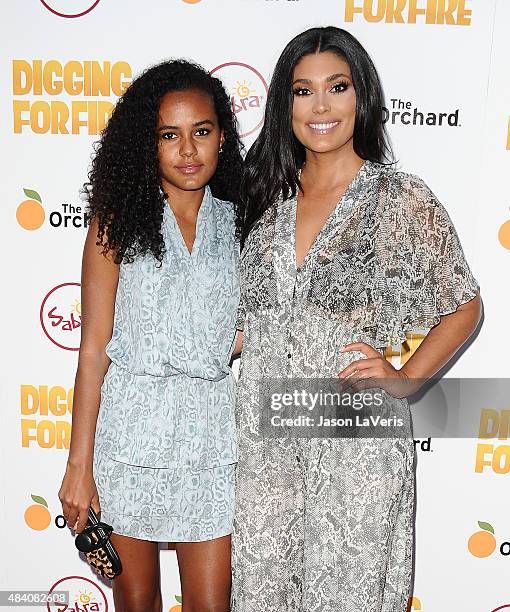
140	500
165	504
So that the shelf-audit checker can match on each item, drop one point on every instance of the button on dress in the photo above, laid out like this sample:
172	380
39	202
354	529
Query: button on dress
165	444
326	524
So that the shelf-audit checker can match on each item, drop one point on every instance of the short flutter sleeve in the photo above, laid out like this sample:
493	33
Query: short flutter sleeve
435	275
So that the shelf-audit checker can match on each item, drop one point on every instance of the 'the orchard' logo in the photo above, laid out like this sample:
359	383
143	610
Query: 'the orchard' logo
504	233
60	316
30	213
248	90
482	543
70	8
84	595
178	606
37	516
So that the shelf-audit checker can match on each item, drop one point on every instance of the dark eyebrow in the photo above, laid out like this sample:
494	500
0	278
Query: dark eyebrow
176	127
330	78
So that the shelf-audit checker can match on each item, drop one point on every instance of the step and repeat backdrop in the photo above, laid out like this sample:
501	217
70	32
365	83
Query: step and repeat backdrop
445	67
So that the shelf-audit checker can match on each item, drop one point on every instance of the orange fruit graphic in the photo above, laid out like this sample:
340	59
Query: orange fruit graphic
37	515
30	213
504	234
482	543
177	607
192	2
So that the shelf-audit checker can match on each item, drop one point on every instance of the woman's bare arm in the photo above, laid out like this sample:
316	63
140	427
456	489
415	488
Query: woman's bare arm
444	340
98	289
238	347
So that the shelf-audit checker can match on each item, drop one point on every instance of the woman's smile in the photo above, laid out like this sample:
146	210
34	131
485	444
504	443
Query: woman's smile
322	129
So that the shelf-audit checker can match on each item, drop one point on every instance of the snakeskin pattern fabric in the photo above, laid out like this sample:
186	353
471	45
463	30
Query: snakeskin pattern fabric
168	397
165	444
326	524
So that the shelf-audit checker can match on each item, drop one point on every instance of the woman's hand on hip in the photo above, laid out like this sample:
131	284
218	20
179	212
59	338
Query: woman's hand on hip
374	372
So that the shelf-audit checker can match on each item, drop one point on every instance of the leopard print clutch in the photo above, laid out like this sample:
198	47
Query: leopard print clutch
94	542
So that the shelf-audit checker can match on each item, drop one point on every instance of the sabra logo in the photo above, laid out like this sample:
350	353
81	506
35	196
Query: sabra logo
493	424
70	8
248	91
438	12
404	112
42	409
31	214
60	316
37	516
482	543
85	595
90	79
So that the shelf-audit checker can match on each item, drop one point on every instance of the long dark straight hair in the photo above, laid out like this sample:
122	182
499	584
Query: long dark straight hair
273	162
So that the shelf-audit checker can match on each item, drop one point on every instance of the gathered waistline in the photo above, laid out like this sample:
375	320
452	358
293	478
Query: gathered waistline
170	376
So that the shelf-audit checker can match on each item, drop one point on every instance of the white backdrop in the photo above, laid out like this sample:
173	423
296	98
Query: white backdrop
435	56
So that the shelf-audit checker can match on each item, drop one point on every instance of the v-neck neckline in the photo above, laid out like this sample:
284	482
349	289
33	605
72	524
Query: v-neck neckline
201	216
327	223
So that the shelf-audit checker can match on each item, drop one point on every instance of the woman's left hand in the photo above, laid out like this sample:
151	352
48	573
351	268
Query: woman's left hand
360	374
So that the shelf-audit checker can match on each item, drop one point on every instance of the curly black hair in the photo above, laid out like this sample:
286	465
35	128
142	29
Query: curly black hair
124	192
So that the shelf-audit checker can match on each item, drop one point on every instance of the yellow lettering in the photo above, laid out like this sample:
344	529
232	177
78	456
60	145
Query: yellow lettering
70	400
57	401
29	399
27	426
71	70
489	423
19	106
100	77
431	11
463	14
119	84
414	11
501	459
508	136
76	122
63	434
59	117
351	10
46	434
445	12
481	461
21	77
40	117
394	11
104	110
52	85
368	11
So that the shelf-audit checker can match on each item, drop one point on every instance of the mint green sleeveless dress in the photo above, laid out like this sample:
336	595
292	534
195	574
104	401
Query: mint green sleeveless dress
165	445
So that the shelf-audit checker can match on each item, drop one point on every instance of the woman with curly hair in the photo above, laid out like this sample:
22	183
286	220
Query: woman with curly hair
153	446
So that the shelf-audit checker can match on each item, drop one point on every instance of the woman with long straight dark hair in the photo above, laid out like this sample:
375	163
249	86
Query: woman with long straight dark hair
342	256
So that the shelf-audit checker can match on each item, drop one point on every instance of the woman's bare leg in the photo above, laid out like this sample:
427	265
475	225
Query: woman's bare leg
138	588
205	575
